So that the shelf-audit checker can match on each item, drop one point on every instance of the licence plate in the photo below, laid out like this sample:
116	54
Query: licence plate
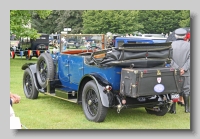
174	96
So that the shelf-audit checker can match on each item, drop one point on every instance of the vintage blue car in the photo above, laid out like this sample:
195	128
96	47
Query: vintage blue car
130	75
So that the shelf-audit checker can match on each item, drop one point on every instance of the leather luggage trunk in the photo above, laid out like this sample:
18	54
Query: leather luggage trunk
138	82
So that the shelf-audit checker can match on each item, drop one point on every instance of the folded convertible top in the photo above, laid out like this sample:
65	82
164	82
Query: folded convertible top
139	55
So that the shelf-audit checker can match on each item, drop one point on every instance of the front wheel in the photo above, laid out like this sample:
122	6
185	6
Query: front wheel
30	90
91	103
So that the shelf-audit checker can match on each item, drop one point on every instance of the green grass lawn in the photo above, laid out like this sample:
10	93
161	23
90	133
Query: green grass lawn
48	112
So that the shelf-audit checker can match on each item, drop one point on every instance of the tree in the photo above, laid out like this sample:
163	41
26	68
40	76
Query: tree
157	21
58	20
70	19
20	19
115	21
47	25
162	21
185	18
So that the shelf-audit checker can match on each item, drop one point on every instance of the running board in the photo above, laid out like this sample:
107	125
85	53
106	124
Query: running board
68	96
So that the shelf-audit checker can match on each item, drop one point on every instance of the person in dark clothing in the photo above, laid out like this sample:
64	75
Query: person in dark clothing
181	61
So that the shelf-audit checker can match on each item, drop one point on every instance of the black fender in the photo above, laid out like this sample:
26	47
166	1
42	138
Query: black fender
32	67
106	97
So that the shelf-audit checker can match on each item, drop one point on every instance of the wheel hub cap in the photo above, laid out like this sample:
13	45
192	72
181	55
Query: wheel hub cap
41	70
89	102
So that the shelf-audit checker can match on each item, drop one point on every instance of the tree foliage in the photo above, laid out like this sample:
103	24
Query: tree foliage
20	19
185	18
58	20
97	21
70	19
46	25
163	21
115	21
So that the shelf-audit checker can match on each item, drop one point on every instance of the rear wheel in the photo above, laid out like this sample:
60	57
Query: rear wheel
30	90
44	69
163	111
91	103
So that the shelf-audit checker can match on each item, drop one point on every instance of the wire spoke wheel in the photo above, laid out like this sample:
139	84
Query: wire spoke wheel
28	84
44	69
30	90
91	103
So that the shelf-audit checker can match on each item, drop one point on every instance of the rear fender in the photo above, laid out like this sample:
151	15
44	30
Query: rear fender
32	67
106	97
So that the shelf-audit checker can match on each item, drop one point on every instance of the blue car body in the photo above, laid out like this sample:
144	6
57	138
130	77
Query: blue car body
137	39
72	68
122	40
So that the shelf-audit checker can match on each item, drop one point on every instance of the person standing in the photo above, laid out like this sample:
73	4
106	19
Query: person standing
88	45
14	48
181	101
64	41
181	61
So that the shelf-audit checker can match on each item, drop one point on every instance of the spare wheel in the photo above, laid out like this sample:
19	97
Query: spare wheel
44	69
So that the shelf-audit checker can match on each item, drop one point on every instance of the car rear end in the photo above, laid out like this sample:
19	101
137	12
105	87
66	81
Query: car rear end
40	45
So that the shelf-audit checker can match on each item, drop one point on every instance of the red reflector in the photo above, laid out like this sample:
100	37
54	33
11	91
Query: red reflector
145	71
175	100
107	88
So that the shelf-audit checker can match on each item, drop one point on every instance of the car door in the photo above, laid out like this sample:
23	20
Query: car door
63	68
75	68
